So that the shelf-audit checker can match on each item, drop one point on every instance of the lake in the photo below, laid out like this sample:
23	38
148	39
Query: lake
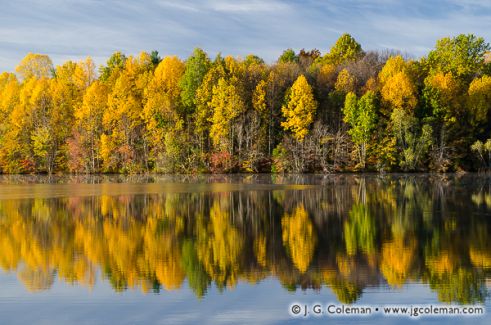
243	249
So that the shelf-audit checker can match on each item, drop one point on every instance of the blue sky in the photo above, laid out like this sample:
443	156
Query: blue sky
74	29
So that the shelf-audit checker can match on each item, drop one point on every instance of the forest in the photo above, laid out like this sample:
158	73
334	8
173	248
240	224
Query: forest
347	110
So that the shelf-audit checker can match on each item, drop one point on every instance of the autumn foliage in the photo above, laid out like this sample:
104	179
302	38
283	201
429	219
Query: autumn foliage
344	110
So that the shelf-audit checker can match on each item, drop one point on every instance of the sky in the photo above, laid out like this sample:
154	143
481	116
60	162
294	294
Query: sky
74	29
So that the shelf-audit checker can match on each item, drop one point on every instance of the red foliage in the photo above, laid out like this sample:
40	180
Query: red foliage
27	166
75	155
221	162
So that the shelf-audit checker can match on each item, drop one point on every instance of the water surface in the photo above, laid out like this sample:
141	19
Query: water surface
240	249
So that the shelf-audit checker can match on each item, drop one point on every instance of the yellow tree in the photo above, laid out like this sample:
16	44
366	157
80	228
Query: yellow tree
259	103
84	74
345	82
161	111
399	94
84	147
398	90
35	65
479	99
123	146
9	98
259	98
204	95
9	94
43	135
442	95
16	150
66	97
227	105
300	109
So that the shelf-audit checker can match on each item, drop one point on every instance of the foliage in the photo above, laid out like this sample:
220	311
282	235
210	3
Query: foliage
344	110
414	141
288	56
197	65
361	115
463	55
300	109
35	65
345	49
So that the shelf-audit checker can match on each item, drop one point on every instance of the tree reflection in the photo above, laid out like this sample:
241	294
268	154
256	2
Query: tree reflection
349	233
299	237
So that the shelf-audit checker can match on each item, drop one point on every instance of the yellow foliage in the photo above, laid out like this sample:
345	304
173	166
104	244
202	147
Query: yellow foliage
345	82
393	66
300	108
84	74
327	76
9	94
161	111
227	104
35	65
446	85
167	75
259	97
399	91
480	98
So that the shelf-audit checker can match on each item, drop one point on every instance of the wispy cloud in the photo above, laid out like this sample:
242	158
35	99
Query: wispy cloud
252	6
73	29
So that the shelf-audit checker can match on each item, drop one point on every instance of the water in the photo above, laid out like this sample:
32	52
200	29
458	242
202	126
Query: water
241	249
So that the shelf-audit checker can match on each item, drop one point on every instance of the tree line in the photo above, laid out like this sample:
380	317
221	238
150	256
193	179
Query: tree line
345	110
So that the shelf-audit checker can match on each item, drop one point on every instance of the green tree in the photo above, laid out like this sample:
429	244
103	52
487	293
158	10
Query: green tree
463	55
288	56
442	94
114	65
345	49
361	115
414	141
197	65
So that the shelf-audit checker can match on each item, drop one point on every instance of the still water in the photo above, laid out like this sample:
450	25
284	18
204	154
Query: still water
241	249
